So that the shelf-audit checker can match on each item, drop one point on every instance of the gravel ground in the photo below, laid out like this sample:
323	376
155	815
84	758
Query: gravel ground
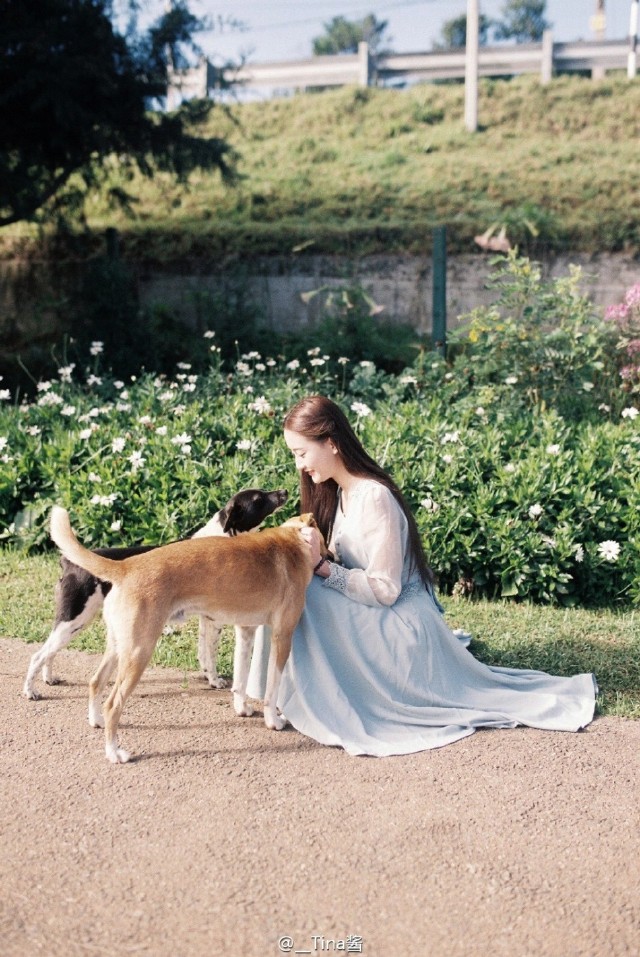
226	838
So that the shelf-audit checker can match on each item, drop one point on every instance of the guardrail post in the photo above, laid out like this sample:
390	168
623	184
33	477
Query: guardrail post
546	67
364	64
439	314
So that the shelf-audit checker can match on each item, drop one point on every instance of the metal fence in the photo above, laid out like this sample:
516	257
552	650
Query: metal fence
545	59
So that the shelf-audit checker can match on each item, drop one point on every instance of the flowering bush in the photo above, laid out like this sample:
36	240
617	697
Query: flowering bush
541	343
518	493
625	316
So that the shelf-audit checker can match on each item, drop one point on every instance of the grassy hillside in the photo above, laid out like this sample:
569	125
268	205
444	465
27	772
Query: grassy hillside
361	171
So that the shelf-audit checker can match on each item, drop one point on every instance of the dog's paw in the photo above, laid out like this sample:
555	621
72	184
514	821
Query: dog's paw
217	682
241	706
96	719
117	755
274	721
31	694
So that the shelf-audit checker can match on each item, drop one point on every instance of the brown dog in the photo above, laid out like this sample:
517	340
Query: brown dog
254	579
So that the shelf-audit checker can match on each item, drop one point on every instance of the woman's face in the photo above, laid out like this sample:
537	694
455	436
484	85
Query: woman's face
317	457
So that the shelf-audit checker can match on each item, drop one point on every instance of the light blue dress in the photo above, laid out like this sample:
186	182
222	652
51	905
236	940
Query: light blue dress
375	669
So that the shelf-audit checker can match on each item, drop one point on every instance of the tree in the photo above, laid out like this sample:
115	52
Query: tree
75	102
454	32
523	21
343	36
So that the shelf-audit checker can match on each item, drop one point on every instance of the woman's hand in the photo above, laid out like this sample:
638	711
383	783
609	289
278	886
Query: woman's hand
314	540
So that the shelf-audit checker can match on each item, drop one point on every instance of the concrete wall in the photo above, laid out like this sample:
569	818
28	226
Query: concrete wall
402	284
33	296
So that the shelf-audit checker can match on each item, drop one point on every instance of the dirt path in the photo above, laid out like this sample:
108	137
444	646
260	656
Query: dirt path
224	838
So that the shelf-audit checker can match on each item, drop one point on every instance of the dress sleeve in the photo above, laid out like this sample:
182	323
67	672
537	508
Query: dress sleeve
382	528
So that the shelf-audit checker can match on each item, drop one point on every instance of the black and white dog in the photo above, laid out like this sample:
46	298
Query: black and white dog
80	595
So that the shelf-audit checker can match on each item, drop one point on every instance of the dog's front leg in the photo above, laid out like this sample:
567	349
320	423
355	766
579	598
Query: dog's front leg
208	640
280	648
241	663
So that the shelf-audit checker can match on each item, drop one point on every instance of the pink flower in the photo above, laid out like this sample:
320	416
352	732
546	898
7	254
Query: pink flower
617	312
633	347
632	297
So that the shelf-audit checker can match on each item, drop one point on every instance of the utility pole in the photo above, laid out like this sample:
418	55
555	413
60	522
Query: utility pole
598	24
471	67
633	40
598	21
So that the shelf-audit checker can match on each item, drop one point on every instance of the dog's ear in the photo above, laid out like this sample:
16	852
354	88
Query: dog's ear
307	519
228	517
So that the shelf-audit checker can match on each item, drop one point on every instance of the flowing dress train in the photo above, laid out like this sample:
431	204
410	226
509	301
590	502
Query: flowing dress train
375	669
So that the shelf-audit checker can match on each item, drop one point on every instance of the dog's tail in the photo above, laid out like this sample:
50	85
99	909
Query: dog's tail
63	535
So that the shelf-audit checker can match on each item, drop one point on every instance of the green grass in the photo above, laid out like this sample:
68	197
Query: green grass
559	641
360	171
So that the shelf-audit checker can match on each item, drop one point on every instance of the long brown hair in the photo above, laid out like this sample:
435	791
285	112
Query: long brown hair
317	417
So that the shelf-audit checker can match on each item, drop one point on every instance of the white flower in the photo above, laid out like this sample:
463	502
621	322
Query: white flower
609	550
118	384
447	459
429	505
50	398
85	434
137	460
603	407
67	410
360	408
243	445
209	334
260	367
33	430
450	437
293	365
93	477
185	449
587	386
161	430
447	375
93	413
118	445
104	499
316	362
578	553
184	365
243	369
536	510
367	364
314	352
4	441
509	467
96	348
116	526
630	412
343	360
145	420
5	394
123	407
94	380
124	394
480	411
553	450
551	542
189	387
182	439
252	355
271	363
66	371
511	380
165	396
260	405
408	380
43	386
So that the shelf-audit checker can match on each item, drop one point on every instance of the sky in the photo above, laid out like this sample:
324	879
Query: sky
285	29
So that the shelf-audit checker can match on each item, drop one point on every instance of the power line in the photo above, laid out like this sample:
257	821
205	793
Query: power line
363	10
